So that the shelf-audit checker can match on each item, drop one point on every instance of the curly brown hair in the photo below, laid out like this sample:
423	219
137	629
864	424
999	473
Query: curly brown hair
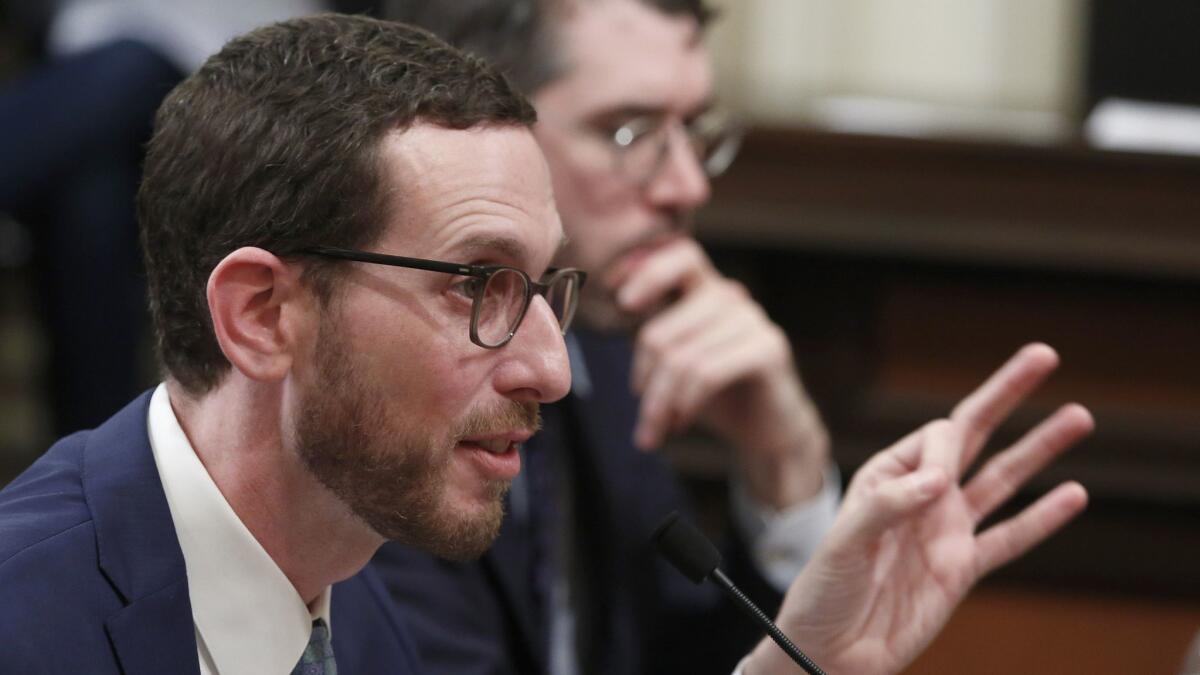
274	143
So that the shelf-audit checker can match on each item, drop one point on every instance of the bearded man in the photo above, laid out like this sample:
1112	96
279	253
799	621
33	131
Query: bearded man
347	226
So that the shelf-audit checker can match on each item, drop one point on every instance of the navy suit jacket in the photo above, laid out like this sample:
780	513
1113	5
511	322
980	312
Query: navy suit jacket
637	614
92	578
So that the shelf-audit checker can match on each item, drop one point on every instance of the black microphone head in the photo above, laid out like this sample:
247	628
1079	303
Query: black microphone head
686	548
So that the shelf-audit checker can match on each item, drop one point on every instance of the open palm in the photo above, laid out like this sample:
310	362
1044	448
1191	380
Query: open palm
905	549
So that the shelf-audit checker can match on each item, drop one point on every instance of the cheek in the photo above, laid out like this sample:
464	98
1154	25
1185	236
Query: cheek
600	216
590	195
586	185
446	381
426	376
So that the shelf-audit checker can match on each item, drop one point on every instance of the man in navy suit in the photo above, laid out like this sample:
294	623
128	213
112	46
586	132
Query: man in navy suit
344	223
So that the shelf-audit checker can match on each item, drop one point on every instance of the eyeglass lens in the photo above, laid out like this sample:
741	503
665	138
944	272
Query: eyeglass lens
714	143
503	303
561	297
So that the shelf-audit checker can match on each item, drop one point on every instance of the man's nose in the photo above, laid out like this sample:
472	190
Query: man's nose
538	368
681	182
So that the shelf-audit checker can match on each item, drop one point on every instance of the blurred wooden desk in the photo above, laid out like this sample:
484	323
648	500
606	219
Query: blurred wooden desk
1000	633
906	270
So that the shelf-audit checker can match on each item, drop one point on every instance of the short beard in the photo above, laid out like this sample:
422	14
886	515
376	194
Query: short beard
391	477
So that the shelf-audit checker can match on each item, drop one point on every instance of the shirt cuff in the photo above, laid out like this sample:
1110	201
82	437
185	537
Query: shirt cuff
782	541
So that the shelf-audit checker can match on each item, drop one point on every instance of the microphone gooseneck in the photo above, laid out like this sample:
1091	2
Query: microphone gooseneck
694	555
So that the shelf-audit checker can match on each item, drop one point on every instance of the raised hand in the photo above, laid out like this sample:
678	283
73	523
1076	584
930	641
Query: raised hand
905	549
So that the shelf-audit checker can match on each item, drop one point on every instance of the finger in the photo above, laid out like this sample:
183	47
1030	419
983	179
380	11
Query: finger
724	364
679	265
735	340
654	414
1013	537
613	271
984	409
1005	473
872	510
906	452
897	460
943	447
645	360
676	329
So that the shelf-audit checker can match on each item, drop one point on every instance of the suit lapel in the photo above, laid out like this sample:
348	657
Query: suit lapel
613	482
138	550
154	634
606	419
608	411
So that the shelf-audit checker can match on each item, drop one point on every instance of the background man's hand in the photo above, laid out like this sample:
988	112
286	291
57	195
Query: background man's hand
904	550
708	352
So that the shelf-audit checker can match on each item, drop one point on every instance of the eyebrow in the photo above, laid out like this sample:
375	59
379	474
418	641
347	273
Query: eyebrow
645	110
507	247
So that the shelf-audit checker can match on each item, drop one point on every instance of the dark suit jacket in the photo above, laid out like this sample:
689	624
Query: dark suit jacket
639	614
92	578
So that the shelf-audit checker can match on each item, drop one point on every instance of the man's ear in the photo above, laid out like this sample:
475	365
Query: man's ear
257	305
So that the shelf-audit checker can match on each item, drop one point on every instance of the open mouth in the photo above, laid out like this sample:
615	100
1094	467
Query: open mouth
496	456
496	446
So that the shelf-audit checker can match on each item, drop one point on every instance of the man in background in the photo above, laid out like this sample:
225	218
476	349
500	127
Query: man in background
629	126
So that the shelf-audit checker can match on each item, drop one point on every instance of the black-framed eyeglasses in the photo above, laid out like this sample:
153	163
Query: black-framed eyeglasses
642	144
500	295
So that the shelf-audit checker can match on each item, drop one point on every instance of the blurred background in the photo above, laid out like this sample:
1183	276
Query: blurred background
926	186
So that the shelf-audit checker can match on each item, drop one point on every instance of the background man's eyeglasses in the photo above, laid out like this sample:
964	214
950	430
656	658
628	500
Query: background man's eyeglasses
643	143
500	295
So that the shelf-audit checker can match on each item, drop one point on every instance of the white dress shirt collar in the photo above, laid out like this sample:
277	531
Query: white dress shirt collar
249	618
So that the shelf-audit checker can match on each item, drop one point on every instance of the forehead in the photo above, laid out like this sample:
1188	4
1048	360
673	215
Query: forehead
625	53
483	191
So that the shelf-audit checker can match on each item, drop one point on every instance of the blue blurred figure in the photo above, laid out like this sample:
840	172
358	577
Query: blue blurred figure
71	136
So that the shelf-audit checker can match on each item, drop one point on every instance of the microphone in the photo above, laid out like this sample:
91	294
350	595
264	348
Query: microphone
694	555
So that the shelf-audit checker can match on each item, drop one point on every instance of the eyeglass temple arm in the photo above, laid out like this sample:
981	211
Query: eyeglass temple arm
398	261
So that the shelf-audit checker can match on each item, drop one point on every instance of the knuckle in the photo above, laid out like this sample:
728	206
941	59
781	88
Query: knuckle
731	289
777	338
702	375
937	426
675	362
697	257
653	341
737	289
692	247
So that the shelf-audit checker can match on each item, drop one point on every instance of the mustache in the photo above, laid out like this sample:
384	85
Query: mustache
505	417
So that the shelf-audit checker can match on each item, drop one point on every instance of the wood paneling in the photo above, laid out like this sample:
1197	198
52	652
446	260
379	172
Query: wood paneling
1002	631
